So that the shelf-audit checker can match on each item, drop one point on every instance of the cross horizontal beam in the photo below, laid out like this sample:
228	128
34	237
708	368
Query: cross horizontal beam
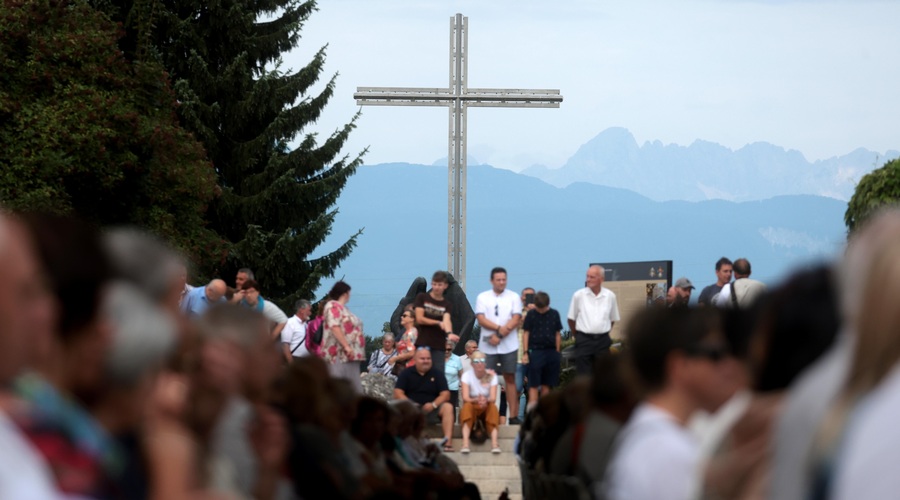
421	96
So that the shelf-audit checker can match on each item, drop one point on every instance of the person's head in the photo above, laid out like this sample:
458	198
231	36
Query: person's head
387	342
78	269
594	278
723	271
340	291
542	301
609	392
741	268
225	328
471	346
149	263
422	358
526	292
875	317
144	337
448	348
27	310
440	281
243	275
410	417
407	318
479	363
303	308
371	420
683	288
678	352
498	279
798	322
215	290
251	292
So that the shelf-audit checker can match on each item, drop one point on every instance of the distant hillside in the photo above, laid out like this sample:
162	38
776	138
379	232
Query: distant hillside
706	170
545	235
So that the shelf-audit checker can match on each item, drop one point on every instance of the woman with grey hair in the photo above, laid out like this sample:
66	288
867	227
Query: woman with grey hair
380	361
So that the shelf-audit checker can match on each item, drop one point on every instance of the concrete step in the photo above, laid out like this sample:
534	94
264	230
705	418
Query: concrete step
506	446
481	458
479	472
503	431
491	488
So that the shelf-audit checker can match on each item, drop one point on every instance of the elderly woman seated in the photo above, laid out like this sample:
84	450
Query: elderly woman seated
479	391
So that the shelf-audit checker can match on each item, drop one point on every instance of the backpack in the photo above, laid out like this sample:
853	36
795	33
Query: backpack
314	332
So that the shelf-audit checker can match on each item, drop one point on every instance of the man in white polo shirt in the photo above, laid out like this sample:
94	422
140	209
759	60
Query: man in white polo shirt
592	314
293	335
498	311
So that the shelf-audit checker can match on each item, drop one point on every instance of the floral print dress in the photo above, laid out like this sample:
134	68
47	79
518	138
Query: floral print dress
337	315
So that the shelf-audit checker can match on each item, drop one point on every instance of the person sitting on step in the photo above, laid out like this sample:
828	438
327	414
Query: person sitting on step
479	391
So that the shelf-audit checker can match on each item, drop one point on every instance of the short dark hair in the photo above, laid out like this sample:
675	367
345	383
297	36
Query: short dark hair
497	270
722	262
250	283
339	288
541	300
658	332
742	266
441	277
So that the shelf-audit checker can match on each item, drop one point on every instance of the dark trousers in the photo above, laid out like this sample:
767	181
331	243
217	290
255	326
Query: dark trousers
587	347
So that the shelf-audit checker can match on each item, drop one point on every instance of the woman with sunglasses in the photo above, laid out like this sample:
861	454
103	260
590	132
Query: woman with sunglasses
406	348
479	391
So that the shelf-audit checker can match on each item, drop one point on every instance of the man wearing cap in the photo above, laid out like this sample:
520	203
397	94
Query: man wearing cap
743	291
592	314
680	293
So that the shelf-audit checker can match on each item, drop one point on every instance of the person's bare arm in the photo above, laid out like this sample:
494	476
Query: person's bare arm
341	338
421	319
276	331
486	323
399	394
286	350
571	326
525	335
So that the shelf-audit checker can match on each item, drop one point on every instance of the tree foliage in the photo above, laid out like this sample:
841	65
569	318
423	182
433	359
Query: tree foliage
83	130
277	203
878	188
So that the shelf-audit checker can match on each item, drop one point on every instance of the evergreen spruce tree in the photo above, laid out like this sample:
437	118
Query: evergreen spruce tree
277	202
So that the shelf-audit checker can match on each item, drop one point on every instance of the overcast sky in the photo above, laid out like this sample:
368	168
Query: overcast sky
818	76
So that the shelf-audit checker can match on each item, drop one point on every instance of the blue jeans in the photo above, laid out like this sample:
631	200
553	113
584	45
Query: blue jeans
521	372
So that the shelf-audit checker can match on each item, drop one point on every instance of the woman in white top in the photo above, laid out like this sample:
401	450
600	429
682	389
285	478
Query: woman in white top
479	391
380	361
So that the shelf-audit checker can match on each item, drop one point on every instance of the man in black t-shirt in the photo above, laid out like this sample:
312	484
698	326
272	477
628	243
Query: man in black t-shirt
426	386
433	318
723	276
540	340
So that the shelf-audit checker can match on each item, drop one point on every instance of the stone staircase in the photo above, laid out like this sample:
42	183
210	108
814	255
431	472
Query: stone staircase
492	473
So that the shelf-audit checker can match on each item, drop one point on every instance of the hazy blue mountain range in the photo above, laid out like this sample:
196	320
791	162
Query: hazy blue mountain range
545	235
706	170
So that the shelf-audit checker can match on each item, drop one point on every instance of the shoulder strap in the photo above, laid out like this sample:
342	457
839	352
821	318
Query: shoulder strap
734	294
305	334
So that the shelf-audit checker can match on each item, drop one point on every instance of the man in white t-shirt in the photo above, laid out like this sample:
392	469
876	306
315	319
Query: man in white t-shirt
499	311
273	313
592	314
676	355
293	335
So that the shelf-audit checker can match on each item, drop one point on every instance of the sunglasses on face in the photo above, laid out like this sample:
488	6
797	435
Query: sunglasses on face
423	348
449	350
406	315
477	361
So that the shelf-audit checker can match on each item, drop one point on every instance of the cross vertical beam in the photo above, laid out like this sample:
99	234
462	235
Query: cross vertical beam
457	97
457	157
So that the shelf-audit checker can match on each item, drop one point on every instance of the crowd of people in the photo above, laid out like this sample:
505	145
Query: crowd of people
120	380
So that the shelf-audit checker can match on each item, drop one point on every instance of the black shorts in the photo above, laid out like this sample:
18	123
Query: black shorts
543	367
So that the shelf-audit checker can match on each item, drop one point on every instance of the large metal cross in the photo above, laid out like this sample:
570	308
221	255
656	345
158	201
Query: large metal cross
457	97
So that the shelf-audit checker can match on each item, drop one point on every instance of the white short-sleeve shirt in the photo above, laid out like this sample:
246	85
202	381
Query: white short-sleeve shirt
594	313
274	313
498	309
294	334
655	459
476	386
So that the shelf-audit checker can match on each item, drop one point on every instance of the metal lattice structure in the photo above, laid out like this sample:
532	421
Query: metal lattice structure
457	97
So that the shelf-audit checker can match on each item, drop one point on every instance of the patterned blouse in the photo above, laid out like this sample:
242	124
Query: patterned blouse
337	314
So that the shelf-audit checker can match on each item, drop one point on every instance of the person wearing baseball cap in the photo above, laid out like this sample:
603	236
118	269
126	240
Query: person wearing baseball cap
680	293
